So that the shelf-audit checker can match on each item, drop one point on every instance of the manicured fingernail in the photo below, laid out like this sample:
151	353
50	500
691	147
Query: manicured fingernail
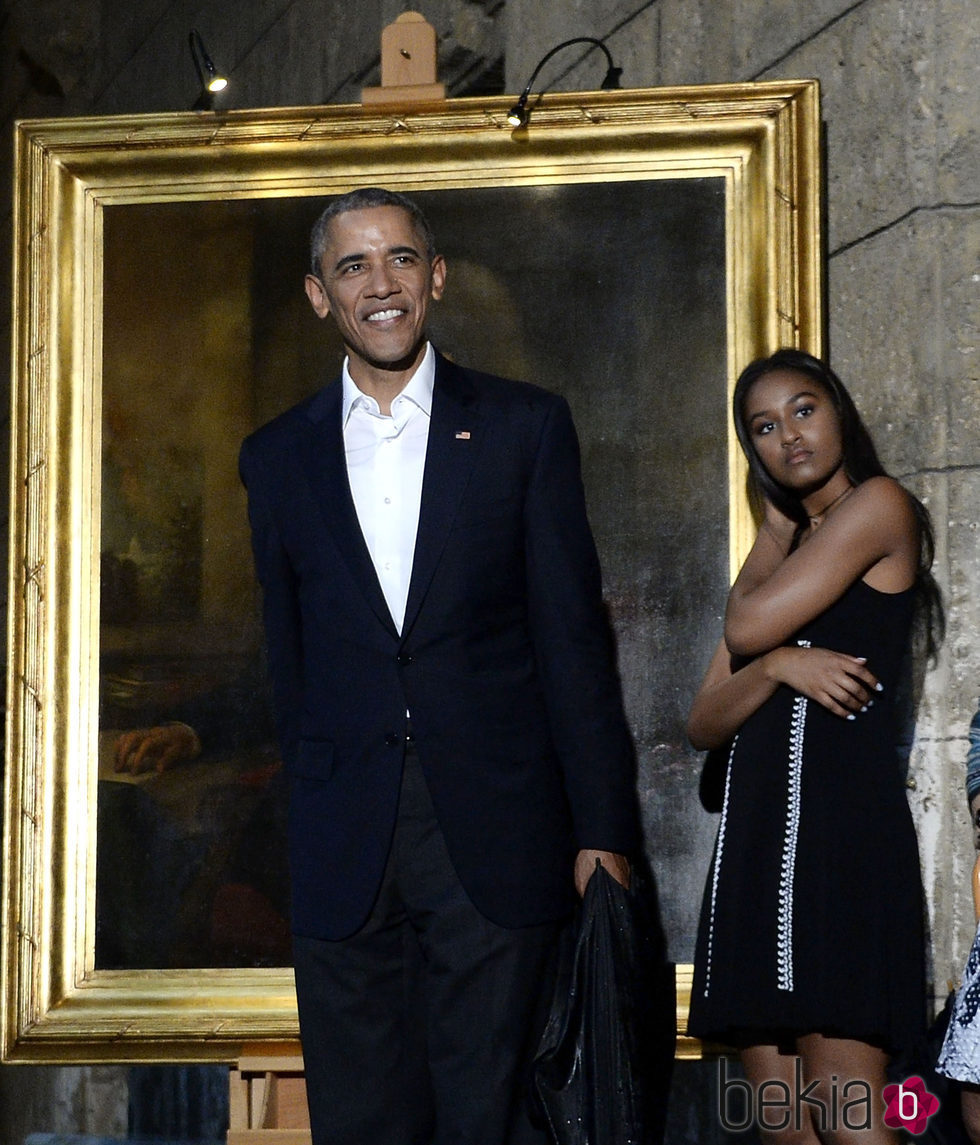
852	716
871	703
879	687
865	707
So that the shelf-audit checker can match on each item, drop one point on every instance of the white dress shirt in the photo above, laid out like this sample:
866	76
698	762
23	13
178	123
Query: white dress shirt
385	461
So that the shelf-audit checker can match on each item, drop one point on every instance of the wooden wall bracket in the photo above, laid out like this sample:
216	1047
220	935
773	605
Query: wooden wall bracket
408	64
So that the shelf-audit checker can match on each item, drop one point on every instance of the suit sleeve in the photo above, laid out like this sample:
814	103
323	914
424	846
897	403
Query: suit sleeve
280	603
573	645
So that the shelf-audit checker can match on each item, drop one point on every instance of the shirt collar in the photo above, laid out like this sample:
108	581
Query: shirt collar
418	389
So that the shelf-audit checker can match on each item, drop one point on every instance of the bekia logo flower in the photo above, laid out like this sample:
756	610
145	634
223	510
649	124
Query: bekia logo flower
909	1105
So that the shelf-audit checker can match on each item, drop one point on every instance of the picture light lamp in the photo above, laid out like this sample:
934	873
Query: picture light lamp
519	115
211	80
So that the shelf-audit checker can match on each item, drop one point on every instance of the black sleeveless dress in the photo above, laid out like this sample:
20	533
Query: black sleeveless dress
812	918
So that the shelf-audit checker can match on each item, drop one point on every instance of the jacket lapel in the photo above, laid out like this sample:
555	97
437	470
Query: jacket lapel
326	468
455	439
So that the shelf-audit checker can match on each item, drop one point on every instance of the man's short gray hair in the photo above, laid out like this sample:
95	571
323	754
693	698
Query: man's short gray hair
360	200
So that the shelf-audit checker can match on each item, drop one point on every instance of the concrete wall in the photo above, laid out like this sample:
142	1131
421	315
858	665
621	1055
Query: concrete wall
903	238
900	103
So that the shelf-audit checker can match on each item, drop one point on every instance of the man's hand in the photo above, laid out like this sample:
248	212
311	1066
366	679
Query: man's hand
617	865
157	748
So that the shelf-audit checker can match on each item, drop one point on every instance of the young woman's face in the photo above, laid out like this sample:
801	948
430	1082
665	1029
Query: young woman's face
794	428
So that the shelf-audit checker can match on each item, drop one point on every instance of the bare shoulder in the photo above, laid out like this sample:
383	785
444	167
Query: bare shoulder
881	514
887	499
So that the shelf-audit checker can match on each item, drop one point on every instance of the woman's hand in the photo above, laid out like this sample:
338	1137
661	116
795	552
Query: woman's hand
840	683
781	528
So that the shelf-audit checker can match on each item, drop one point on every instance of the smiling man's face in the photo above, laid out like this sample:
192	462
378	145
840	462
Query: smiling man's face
377	280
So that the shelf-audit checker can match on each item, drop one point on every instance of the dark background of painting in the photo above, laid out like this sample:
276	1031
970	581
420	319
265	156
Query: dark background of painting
612	294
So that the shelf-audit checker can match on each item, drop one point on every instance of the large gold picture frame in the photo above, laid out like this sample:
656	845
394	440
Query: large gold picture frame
147	237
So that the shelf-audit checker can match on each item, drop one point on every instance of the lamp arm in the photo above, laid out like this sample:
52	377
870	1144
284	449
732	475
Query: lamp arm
557	48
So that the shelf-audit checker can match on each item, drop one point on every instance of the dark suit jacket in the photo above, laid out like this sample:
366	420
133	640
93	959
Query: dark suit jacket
504	660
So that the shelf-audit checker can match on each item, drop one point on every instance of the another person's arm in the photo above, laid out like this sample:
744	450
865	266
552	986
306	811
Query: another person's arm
976	889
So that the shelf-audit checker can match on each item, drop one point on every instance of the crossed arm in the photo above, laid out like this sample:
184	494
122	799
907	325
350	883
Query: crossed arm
728	696
873	535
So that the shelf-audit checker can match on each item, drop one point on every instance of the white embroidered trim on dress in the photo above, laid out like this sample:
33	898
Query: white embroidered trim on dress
784	922
719	847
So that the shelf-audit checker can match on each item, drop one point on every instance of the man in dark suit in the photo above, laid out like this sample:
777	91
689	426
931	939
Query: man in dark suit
450	716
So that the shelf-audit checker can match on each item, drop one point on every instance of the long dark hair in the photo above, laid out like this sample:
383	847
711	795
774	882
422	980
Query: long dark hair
860	462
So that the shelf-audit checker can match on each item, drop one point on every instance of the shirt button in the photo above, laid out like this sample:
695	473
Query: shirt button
403	659
387	500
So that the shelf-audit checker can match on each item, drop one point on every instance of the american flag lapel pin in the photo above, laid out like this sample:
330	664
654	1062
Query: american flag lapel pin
463	435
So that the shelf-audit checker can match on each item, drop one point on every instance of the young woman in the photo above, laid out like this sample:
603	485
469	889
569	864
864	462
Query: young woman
810	952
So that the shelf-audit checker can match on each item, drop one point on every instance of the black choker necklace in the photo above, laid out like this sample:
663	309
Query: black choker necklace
817	518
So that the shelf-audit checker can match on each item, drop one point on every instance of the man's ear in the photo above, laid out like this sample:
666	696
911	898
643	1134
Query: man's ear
438	276
317	295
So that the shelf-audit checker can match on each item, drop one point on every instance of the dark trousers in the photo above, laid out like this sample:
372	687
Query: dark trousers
416	1029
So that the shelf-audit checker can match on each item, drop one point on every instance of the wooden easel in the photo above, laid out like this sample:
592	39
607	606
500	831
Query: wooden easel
267	1097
